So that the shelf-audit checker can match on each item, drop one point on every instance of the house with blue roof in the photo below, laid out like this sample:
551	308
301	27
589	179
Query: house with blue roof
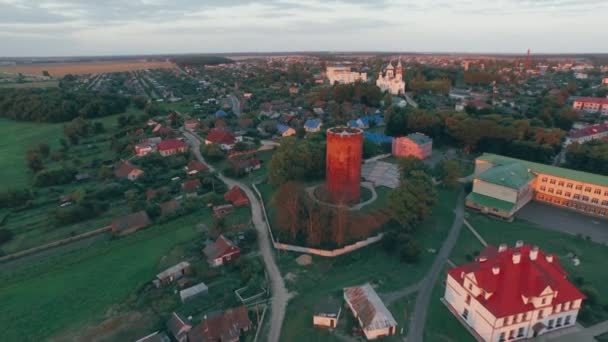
312	125
377	138
285	131
220	114
367	121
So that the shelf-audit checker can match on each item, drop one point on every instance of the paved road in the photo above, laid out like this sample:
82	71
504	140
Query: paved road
236	105
416	327
279	292
410	100
577	333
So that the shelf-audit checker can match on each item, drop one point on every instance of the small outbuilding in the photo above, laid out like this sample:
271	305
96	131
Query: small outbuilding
327	313
172	274
130	223
192	292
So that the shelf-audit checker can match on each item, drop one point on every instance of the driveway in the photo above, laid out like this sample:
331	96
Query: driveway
279	292
565	221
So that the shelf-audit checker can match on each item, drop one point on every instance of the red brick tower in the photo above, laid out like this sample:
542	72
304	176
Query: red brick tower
344	153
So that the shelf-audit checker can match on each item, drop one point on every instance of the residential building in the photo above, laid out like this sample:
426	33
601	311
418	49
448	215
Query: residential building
605	81
509	294
126	170
224	139
366	122
587	134
221	252
171	147
285	131
236	196
130	223
220	211
591	105
191	125
369	310
413	145
226	326
191	185
392	79
178	328
169	207
344	75
193	292
245	164
172	274
195	166
146	147
580	76
312	125
327	313
503	185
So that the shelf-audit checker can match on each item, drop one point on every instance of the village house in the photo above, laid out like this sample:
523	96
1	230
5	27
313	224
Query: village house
171	147
285	131
220	211
245	164
130	223
172	274
178	328
191	186
587	134
221	252
312	125
512	294
327	313
126	170
193	292
226	326
369	310
236	196
366	122
195	166
224	139
146	147
413	145
169	207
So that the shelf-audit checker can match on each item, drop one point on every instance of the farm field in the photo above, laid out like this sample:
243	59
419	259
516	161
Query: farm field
70	290
62	69
328	276
17	138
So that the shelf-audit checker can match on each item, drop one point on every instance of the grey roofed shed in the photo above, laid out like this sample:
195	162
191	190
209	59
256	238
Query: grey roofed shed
193	291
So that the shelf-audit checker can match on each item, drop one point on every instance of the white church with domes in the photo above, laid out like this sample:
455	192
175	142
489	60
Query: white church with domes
392	79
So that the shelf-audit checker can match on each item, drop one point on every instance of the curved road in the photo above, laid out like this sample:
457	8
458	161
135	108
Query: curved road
279	292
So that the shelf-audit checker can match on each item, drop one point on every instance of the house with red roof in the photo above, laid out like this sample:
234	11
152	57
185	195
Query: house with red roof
221	252
591	105
191	185
225	139
225	326
191	125
170	147
586	134
195	166
126	170
236	196
512	294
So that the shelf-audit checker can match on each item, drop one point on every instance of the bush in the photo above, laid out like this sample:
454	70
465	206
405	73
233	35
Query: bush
14	198
57	176
410	252
592	295
5	235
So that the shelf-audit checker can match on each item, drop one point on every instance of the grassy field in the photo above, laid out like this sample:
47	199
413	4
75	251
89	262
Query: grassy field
328	276
70	290
17	138
62	69
41	84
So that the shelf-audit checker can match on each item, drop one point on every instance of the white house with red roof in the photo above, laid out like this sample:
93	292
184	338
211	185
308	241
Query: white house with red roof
510	294
587	134
225	139
221	252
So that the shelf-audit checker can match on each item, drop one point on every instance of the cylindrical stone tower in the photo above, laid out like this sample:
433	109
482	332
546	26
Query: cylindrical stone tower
344	153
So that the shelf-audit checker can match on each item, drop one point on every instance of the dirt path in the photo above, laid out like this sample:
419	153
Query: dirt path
279	292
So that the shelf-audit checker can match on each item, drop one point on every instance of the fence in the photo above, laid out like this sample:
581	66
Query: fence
315	251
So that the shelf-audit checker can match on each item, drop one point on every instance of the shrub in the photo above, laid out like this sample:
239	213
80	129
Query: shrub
5	235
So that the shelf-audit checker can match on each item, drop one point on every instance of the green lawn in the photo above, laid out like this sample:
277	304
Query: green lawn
17	138
69	290
328	276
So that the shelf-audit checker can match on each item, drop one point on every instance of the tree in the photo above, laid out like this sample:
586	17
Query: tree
44	150
213	152
450	172
289	202
413	200
297	160
34	162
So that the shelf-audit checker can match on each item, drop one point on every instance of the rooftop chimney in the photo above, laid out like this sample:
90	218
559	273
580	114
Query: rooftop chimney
519	243
516	258
534	253
495	269
549	257
502	247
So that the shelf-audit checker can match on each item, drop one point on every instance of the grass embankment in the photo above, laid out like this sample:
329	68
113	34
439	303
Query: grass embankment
69	290
328	276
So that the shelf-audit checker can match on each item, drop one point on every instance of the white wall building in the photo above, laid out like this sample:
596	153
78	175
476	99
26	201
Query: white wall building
512	294
392	79
344	75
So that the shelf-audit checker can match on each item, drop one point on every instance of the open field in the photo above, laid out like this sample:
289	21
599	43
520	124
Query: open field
41	84
69	290
17	138
328	276
62	69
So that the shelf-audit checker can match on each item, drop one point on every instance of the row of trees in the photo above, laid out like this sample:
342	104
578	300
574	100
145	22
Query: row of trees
58	105
297	160
590	157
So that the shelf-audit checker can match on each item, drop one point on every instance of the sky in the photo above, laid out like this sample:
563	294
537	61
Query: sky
124	27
